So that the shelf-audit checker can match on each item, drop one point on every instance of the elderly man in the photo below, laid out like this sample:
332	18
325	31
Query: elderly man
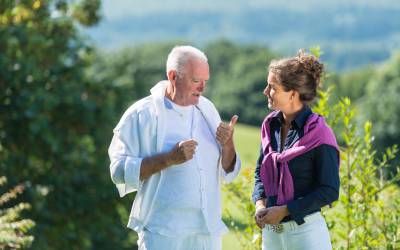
172	148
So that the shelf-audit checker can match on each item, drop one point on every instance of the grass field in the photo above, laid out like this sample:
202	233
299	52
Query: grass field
247	142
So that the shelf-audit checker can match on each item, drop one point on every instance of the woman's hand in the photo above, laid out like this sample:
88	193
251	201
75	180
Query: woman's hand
274	215
261	211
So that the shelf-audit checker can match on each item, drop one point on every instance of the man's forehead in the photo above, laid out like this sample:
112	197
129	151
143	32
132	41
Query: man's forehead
195	62
196	66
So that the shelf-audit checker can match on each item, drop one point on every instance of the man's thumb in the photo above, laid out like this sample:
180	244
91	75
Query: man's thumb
233	120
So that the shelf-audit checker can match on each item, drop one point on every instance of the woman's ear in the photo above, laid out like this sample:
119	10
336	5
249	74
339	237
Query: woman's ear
295	95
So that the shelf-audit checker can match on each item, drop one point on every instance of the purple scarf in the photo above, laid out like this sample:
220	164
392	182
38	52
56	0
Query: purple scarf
316	132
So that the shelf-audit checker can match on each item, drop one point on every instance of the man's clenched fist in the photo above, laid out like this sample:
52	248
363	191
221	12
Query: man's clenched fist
183	151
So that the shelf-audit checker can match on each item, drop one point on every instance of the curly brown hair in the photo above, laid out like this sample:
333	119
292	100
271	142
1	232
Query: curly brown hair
301	73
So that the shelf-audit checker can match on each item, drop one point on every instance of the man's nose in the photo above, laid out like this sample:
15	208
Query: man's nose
202	86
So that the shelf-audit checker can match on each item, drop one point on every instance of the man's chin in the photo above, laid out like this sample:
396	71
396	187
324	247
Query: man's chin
195	100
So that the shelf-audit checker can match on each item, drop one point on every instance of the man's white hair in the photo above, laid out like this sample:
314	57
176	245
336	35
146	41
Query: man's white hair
180	55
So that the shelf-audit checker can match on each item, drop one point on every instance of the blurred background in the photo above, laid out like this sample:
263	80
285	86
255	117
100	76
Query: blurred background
70	68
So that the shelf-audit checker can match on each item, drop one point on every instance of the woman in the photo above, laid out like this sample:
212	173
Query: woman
297	171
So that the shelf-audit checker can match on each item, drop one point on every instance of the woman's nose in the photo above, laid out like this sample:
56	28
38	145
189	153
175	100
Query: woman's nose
266	91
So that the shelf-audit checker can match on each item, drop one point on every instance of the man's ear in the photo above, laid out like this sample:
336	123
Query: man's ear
171	75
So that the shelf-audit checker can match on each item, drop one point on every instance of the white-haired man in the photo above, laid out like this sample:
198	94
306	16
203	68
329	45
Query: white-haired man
172	148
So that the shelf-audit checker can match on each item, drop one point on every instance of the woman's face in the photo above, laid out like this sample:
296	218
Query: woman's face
278	98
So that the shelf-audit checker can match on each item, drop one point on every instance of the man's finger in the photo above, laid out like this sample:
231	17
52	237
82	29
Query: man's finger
223	125
233	120
190	142
223	128
221	133
193	141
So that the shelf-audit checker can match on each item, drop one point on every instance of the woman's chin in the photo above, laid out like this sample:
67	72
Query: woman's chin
270	106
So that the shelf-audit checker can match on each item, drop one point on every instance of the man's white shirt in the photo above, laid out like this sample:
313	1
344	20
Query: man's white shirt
181	199
189	194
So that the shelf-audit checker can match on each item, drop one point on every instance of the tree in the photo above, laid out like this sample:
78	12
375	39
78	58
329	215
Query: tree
238	74
130	72
381	103
56	124
351	84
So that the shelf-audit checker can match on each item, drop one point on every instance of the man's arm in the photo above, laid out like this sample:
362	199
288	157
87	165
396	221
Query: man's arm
225	137
182	152
127	170
228	158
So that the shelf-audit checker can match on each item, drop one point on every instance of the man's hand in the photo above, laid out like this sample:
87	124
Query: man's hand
183	151
225	132
275	214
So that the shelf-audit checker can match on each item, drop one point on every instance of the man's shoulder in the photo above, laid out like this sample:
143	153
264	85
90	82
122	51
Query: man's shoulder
208	108
140	107
205	102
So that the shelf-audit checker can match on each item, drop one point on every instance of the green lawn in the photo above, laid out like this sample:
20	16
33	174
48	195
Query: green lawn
247	142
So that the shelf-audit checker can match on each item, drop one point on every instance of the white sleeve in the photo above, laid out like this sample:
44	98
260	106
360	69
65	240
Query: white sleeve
125	155
228	177
124	169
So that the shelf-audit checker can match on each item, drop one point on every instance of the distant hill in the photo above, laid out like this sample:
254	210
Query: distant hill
352	33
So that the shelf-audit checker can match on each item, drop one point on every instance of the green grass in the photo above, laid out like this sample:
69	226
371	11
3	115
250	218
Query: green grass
230	242
247	142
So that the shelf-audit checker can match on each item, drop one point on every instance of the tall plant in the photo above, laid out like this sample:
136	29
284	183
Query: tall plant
365	217
13	230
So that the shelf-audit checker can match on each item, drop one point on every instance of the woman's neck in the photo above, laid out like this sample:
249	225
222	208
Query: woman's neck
290	115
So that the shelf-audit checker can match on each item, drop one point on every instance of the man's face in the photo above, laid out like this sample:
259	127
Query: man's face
191	84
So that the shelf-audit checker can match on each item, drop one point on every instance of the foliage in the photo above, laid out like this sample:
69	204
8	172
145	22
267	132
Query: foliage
246	231
130	72
238	74
237	206
381	103
364	217
13	230
352	84
56	124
